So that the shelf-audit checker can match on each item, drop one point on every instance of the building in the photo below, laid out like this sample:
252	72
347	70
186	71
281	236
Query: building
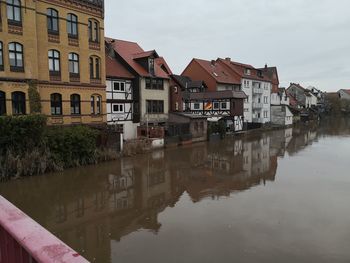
150	85
257	86
304	97
208	88
119	96
55	47
344	94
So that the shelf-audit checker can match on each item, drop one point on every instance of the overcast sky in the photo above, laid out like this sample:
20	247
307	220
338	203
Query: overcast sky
308	40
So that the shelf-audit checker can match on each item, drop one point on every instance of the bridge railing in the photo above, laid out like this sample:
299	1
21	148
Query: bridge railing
22	240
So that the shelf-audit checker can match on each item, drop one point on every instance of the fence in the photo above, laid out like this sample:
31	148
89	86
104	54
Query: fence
22	240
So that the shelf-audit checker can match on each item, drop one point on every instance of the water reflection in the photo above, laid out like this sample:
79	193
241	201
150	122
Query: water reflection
89	207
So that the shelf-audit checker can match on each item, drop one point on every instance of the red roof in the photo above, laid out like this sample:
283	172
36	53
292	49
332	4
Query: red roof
347	91
115	69
128	51
218	71
145	54
162	63
240	68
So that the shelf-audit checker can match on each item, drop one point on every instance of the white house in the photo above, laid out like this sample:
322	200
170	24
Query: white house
257	86
119	98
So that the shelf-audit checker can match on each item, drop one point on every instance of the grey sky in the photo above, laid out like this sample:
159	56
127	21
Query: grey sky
308	40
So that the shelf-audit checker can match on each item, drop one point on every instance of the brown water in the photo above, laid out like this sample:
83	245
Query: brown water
281	196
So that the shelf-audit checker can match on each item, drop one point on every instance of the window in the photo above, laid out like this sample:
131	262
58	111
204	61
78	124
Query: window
247	71
118	86
265	99
72	25
56	104
93	30
52	21
14	15
196	106
75	104
95	101
18	103
265	114
118	108
16	56
73	59
156	84
148	83
94	63
155	106
1	57
151	65
223	105
54	61
2	103
175	89
216	105
247	99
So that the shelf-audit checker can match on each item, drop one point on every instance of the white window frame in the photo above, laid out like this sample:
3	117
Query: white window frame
121	84
121	108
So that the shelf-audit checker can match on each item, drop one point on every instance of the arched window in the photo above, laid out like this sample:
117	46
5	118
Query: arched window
56	104
1	57
54	61
18	103
75	104
14	15
73	59
94	31
96	104
2	103
72	25
52	21
16	56
95	67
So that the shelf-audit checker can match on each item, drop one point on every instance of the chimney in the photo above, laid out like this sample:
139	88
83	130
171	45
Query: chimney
228	59
265	66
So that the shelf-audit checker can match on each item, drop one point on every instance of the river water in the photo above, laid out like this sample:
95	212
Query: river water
279	196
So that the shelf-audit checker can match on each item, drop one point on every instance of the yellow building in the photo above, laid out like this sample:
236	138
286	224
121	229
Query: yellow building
58	47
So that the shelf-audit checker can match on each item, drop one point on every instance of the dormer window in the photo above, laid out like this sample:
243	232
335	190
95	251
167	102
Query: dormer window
247	71
259	74
151	65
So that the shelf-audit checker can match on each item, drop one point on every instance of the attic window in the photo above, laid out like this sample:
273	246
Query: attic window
151	65
215	74
247	71
260	74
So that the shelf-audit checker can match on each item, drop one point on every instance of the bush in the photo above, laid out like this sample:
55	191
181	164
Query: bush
72	146
20	133
34	98
29	147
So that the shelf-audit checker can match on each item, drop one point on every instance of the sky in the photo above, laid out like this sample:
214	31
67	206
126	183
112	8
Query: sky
308	40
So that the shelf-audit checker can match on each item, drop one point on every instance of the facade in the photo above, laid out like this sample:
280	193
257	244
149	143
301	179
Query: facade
304	97
344	94
257	86
119	97
281	115
56	47
150	85
221	96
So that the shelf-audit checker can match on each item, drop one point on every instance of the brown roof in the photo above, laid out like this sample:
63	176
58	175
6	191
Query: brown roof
226	94
145	54
116	69
239	69
346	90
128	51
217	71
162	63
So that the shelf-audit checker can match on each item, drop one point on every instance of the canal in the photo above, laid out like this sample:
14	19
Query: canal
278	196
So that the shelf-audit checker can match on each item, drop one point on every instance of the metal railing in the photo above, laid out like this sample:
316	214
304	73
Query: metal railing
22	240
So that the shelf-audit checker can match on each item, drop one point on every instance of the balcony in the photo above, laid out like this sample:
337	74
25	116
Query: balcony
257	105
258	90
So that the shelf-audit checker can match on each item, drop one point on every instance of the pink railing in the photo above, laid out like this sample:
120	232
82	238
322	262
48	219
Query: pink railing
22	240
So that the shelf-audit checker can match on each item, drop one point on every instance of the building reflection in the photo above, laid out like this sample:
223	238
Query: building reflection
90	207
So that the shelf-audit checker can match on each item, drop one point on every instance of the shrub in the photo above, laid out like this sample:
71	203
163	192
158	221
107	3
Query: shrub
20	133
34	98
72	146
